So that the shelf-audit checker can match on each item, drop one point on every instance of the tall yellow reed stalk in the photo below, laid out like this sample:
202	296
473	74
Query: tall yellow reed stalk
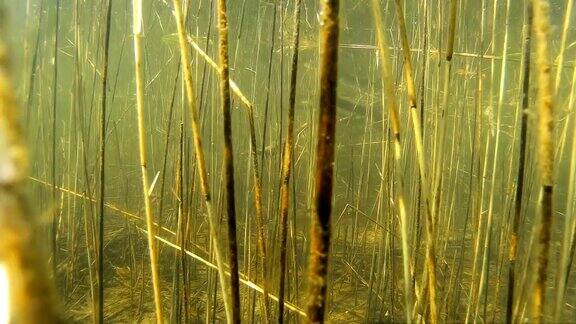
137	31
416	126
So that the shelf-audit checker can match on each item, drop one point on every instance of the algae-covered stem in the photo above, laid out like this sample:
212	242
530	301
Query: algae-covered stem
287	160
102	167
322	209
513	250
137	30
199	151
545	152
228	159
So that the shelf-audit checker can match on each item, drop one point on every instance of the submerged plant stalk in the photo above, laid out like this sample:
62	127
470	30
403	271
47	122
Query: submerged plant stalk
287	161
545	147
324	173
199	151
137	31
228	159
102	166
513	249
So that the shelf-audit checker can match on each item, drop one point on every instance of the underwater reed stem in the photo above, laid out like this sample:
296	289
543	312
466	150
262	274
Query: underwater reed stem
417	127
228	159
322	208
513	249
545	148
199	151
452	29
287	160
137	31
102	166
55	211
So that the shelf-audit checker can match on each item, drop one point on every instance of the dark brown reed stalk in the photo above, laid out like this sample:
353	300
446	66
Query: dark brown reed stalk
31	294
513	249
545	147
102	166
322	209
287	161
228	159
53	166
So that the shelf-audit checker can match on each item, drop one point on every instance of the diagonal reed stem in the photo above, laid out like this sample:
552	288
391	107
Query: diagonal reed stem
199	151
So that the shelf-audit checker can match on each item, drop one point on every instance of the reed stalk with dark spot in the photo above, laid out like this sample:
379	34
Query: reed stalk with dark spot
545	147
324	173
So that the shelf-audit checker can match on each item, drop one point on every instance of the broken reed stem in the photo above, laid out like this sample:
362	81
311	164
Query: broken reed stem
452	29
388	94
137	31
287	160
417	127
102	165
322	208
228	159
545	145
513	249
31	294
199	151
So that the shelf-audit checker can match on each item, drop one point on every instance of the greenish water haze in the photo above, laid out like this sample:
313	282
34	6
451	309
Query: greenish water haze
366	280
